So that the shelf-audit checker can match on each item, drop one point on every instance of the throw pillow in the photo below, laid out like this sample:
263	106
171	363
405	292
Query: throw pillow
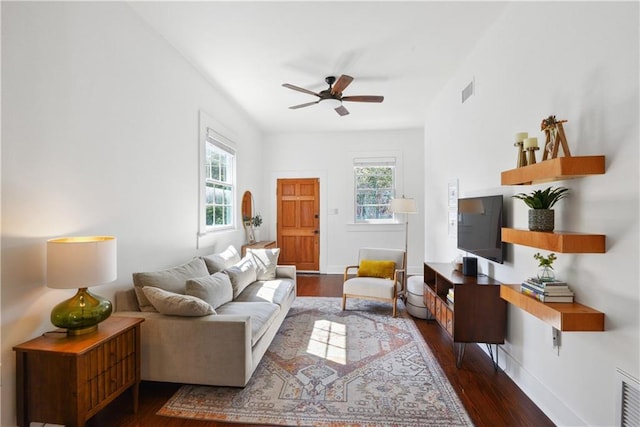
173	304
375	268
265	262
219	261
172	280
215	289
242	275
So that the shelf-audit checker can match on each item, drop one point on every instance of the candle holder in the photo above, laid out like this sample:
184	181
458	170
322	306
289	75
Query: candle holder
531	151
522	157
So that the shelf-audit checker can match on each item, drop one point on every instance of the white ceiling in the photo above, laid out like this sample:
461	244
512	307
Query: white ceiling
405	51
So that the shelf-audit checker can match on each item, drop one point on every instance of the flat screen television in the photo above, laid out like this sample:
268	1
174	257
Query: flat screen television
480	227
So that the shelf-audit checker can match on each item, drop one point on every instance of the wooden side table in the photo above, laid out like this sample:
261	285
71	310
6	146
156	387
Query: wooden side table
265	244
67	379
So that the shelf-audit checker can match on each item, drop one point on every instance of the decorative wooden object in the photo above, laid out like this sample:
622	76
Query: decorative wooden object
557	169
569	317
478	314
265	244
67	379
557	241
554	137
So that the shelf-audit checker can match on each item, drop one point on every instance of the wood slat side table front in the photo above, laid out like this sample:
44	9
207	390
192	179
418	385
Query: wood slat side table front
67	379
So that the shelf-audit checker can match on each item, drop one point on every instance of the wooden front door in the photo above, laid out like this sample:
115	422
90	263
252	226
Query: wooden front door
298	230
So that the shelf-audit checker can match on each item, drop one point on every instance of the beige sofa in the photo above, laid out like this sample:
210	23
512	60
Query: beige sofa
182	343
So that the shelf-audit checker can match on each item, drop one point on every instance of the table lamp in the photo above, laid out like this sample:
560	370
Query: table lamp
405	206
81	262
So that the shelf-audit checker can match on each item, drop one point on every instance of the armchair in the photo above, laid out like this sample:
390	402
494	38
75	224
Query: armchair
375	279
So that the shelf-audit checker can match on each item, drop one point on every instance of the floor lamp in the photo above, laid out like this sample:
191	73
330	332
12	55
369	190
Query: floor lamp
404	206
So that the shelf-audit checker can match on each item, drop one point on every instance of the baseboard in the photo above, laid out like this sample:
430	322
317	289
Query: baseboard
550	404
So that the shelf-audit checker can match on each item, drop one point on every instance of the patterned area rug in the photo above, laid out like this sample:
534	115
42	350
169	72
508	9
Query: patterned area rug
327	367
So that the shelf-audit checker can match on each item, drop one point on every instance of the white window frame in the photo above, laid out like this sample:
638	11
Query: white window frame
374	161
210	135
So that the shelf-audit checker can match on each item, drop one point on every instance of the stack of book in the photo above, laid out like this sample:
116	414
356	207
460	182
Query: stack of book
450	295
555	291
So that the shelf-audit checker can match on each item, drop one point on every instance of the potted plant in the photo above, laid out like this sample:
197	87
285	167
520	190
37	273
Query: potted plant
545	273
256	222
541	216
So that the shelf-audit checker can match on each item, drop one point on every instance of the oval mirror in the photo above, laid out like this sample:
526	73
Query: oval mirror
247	206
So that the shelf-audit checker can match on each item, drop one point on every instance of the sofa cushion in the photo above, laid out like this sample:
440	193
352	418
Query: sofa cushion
376	268
262	315
265	262
242	275
215	289
173	304
172	280
219	261
274	291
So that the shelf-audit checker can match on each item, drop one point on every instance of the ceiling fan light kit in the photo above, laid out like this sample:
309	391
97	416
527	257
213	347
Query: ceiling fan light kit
332	97
331	103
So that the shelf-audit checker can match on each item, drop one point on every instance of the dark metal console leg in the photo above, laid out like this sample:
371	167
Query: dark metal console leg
496	359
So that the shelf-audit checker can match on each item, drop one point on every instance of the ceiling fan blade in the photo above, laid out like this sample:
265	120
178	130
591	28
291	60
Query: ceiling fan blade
300	89
341	84
363	98
295	107
342	111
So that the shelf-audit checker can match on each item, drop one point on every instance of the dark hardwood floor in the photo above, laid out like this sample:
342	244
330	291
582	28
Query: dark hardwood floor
490	397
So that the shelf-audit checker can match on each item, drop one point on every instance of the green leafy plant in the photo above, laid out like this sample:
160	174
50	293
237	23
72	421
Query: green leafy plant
545	261
256	221
543	199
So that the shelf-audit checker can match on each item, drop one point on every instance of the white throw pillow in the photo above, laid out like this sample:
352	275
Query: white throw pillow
215	289
242	275
219	261
173	304
265	262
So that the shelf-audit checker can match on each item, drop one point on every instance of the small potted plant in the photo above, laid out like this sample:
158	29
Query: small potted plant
256	222
545	274
541	216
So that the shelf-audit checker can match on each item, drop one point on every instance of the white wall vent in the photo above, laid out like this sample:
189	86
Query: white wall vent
468	91
629	400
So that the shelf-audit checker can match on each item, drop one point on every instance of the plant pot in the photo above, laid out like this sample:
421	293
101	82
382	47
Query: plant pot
546	274
541	219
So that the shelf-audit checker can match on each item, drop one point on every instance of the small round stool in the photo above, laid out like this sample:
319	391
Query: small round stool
415	297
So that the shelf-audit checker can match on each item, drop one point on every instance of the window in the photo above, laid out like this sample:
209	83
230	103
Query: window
374	188
219	184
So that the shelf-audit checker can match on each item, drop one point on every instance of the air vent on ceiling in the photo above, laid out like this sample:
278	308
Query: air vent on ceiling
468	91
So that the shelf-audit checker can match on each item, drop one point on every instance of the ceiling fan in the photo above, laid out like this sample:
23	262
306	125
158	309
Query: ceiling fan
332	96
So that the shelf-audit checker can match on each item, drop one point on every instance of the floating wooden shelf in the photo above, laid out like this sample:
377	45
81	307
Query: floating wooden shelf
557	241
569	317
554	170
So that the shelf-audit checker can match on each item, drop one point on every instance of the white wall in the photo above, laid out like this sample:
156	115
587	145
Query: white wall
99	135
578	61
328	156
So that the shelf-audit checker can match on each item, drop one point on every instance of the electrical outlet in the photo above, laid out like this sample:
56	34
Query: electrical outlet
556	339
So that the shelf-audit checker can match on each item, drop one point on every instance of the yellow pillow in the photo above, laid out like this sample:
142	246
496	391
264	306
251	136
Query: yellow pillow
374	268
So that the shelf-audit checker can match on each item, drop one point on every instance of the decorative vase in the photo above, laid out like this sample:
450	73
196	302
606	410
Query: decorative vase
256	234
546	274
541	219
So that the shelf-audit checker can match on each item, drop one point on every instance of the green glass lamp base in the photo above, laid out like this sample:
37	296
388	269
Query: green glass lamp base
81	313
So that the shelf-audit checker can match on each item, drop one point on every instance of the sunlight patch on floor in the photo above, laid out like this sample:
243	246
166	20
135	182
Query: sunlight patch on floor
329	341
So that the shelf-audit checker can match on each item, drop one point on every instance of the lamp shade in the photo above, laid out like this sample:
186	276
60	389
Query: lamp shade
80	262
403	205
